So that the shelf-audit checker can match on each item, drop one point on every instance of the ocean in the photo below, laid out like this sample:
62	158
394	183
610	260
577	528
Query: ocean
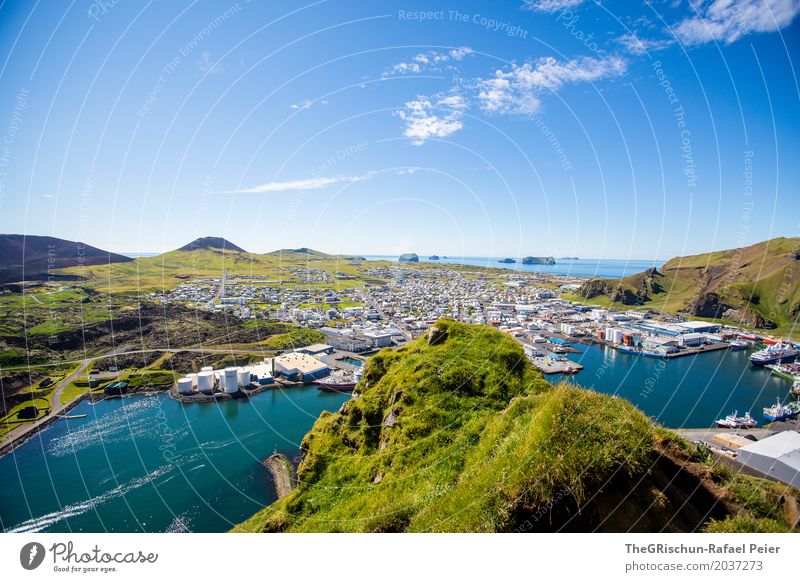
606	268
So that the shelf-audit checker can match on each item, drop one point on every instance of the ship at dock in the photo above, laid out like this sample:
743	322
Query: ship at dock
779	411
774	354
340	381
736	421
785	371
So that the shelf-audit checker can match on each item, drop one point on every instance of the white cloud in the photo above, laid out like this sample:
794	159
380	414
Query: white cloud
304	104
460	53
638	46
207	65
729	20
307	184
425	120
550	5
428	61
517	90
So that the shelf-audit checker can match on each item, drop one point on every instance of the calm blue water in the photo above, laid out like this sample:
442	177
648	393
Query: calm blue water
608	268
692	391
352	361
148	463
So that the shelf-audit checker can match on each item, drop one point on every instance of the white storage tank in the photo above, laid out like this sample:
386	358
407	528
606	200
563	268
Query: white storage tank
193	378
243	376
206	369
185	386
205	382
231	382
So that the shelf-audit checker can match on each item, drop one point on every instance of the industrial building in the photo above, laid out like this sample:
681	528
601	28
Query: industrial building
777	456
316	350
299	366
699	326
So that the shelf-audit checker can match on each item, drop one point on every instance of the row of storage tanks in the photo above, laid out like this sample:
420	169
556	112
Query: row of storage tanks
229	380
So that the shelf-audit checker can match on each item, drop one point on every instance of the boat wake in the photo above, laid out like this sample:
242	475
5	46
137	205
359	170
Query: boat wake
133	420
43	522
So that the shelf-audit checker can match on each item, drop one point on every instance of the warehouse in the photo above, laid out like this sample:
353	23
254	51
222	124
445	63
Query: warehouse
699	326
299	366
777	456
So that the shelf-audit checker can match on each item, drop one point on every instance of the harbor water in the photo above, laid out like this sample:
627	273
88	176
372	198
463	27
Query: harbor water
148	463
686	392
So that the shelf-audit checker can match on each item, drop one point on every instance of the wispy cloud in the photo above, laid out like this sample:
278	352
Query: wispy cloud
729	20
550	5
207	64
306	184
517	90
637	45
425	119
428	61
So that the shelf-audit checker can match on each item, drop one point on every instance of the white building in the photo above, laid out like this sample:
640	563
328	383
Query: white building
777	456
302	366
379	339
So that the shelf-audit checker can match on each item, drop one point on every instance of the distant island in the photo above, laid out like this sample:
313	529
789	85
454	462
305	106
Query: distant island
409	258
433	258
507	261
538	261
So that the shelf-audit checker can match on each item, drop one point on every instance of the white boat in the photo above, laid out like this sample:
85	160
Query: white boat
736	421
774	354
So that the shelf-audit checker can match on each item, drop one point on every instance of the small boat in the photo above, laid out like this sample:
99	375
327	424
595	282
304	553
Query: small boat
568	371
736	421
72	416
654	355
780	412
770	341
748	337
739	344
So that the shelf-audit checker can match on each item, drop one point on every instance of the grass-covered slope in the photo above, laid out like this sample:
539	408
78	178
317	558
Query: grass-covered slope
757	285
457	432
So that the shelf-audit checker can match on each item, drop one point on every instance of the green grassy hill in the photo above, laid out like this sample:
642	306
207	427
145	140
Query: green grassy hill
757	286
165	271
457	432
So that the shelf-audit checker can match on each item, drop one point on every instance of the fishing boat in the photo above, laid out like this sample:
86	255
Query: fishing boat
739	345
654	355
341	381
736	421
774	354
785	371
629	350
780	412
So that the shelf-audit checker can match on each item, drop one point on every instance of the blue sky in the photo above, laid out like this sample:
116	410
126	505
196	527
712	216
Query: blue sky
560	127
